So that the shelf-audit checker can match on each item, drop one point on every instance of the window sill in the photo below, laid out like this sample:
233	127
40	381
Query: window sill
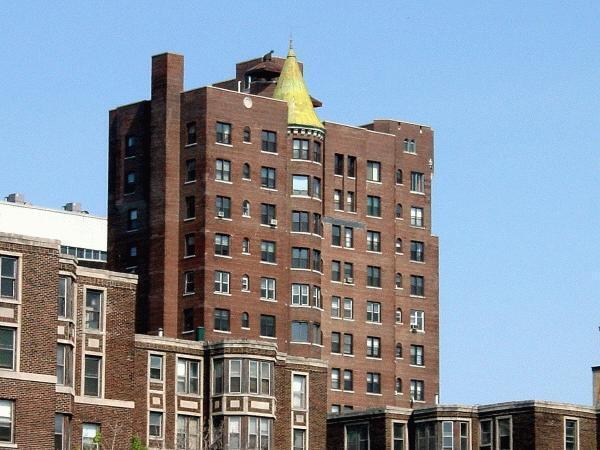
129	157
187	294
417	192
410	153
376	358
224	218
266	225
306	233
245	328
374	393
419	227
300	196
416	365
222	331
268	337
246	142
374	182
189	219
245	290
269	153
223	181
193	144
300	268
246	179
246	253
268	263
188	256
224	144
417	262
268	300
189	182
374	287
373	323
246	216
223	256
375	252
374	217
265	188
187	332
299	343
417	296
226	294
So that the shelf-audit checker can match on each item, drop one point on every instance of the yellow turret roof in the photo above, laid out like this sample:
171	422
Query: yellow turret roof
291	88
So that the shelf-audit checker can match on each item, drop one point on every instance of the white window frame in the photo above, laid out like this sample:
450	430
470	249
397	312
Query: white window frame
230	375
451	436
222	280
300	294
510	428
270	286
186	360
305	399
571	419
404	424
374	310
162	367
161	427
101	318
9	419
92	444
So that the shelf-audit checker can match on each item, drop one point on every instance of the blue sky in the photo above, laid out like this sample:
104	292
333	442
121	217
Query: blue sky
510	87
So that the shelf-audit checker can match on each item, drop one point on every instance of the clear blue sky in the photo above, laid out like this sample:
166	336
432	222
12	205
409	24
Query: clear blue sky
511	88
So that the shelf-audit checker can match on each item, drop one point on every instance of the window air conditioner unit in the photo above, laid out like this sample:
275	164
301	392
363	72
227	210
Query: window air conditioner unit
414	327
273	222
349	280
221	214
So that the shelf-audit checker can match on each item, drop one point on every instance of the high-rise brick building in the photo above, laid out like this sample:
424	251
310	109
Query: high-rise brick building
247	217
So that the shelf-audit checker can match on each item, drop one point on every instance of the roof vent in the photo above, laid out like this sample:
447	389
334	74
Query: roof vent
73	207
16	197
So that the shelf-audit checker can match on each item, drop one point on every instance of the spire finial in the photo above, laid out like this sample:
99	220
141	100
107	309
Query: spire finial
291	51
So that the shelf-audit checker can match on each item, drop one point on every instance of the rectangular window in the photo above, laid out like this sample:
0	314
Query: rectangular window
188	376
299	331
300	184
156	367
221	319
348	273
189	286
338	200
94	300
265	378
7	417
188	432
352	166
335	342
92	382
416	216
335	306
268	177
571	434
62	432
373	347
373	383
336	235
351	201
417	320
223	170
317	302
218	380
64	365
417	285
300	221
317	334
8	277
373	206
190	245
223	133
348	309
268	251
300	294
223	207
504	427
267	288
417	182
267	325
373	276
335	378
299	391
300	149
89	432
410	146
373	241
316	187
188	319
190	170
269	141
300	258
155	420
221	284
416	355
417	390
299	439
222	244
447	435
234	433
268	214
417	251
348	237
348	382
464	435
131	144
374	171
485	434
65	298
338	164
336	274
235	376
129	183
253	369
399	430
317	224
133	222
374	312
316	151
348	348
191	133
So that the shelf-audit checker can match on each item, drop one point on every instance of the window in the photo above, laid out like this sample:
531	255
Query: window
351	201
398	245
335	342
300	294
485	434
417	182
300	258
504	427
259	433
223	207
348	309
335	306
417	390
398	315
92	380
267	325
299	391
335	378
300	184
571	434
410	146
417	251
336	271
299	331
246	171
398	350
218	380
190	170
156	367
300	221
89	431
348	384
188	319
131	143
223	133
317	302
234	433
189	285
133	222
6	421
373	276
316	151
348	348
267	288
299	439
336	235
223	170
357	437
348	237
398	211
188	376
190	245
416	355
245	208
267	251
373	206
129	187
348	273
265	378
64	365
8	277
155	425
352	166
398	280
268	212
188	432
338	202
235	376
190	207
191	133
416	216
245	283
268	177
373	171
93	309
398	431
65	297
373	347
417	285
338	164
374	312
247	135
373	241
246	245
62	432
316	190
398	176
447	435
300	149
417	320
398	386
335	409
317	224
269	141
464	435
221	319
245	320
373	383
221	282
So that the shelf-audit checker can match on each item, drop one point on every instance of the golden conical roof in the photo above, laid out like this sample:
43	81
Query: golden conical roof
291	88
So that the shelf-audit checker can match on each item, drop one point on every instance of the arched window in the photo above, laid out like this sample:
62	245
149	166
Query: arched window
398	315
246	245
246	171
245	283
398	211
398	245
245	320
398	350
398	385
398	176
246	208
247	134
398	281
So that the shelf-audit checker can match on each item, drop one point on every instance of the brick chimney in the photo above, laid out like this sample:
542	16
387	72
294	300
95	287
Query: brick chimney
596	384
